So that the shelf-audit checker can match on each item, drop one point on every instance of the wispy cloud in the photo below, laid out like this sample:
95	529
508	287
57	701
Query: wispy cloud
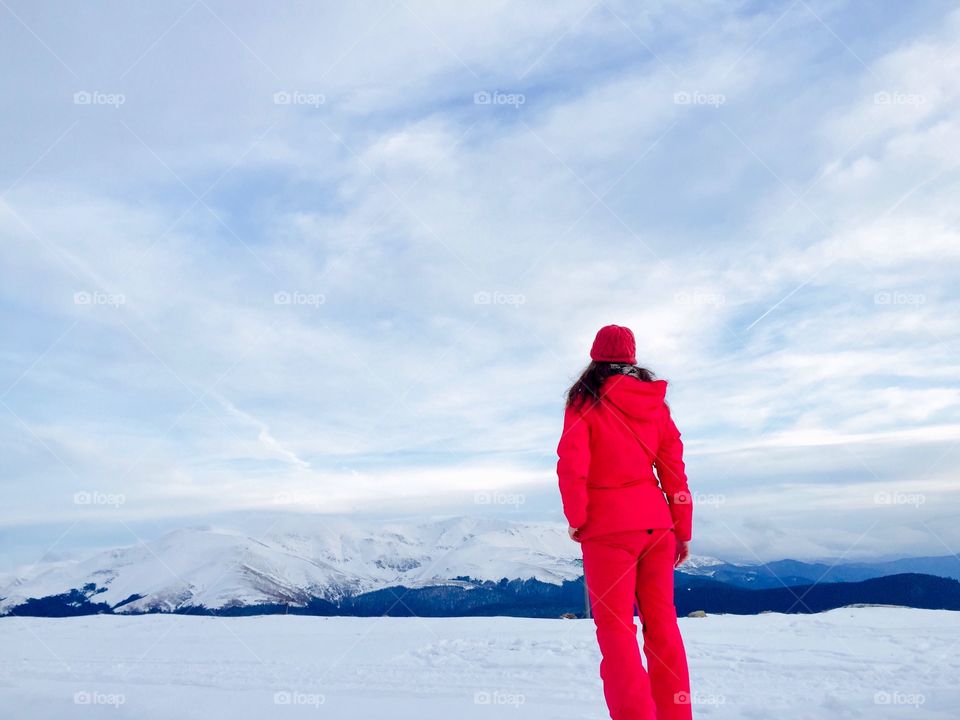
263	434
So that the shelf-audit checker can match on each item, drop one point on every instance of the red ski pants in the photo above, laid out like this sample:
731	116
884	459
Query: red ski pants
623	569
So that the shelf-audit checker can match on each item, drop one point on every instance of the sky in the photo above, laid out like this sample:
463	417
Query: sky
348	257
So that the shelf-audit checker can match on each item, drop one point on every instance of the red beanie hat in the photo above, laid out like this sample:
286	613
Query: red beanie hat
614	343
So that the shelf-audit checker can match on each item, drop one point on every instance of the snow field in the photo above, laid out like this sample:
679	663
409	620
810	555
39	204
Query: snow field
847	663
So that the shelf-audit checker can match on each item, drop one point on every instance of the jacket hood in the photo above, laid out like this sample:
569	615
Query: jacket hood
634	397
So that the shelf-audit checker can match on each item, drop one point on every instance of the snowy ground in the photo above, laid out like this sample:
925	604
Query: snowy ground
848	663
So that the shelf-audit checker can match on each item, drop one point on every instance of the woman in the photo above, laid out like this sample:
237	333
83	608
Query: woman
633	530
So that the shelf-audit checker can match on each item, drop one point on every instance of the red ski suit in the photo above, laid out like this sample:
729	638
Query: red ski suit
629	524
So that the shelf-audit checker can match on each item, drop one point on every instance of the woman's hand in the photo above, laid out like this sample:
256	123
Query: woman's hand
683	552
572	532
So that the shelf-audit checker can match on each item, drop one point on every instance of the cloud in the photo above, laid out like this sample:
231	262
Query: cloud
263	434
393	283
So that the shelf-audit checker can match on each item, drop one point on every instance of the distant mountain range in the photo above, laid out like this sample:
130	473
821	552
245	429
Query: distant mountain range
456	566
301	559
781	573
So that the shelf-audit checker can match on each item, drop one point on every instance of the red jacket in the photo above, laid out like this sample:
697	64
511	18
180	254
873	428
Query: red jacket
607	454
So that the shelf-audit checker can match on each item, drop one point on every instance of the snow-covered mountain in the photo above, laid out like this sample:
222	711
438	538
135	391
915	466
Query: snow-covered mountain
302	557
701	565
319	564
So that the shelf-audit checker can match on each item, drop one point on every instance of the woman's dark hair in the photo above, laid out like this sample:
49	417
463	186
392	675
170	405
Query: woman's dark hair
587	386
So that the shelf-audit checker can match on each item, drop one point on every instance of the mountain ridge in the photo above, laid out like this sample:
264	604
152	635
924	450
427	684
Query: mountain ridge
300	562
